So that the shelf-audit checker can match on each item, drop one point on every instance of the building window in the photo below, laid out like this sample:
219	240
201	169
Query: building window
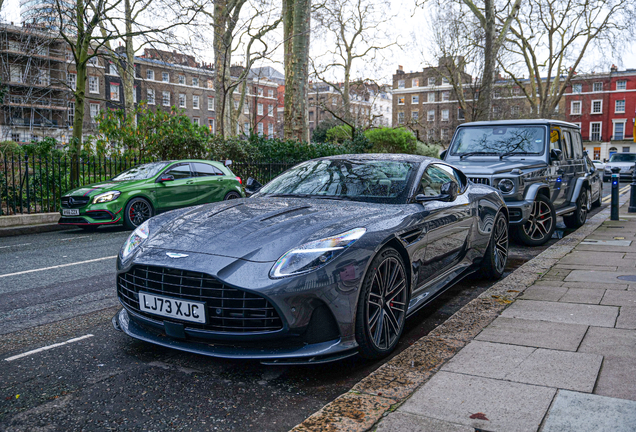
461	115
577	88
72	81
270	93
516	91
94	111
195	102
236	104
114	92
334	101
246	128
151	96
166	98
93	84
626	149
619	131
246	108
401	84
196	121
620	106
430	134
400	117
270	110
430	97
181	79
92	61
415	115
597	87
431	115
514	111
182	100
259	91
595	131
445	82
621	85
401	100
150	74
597	107
195	82
134	94
445	96
112	69
415	82
270	129
259	109
71	113
415	99
260	129
431	81
575	108
211	125
16	73
445	114
210	103
210	84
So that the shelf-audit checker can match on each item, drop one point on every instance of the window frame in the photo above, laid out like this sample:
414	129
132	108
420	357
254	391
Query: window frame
600	111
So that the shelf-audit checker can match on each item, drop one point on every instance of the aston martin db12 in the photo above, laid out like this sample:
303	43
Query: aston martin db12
324	262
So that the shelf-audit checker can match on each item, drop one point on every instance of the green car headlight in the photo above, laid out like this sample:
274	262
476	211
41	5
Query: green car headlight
106	196
315	254
135	240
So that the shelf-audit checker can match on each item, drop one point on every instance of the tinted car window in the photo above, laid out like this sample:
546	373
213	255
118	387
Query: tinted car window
179	171
203	170
433	179
555	141
568	146
576	142
623	157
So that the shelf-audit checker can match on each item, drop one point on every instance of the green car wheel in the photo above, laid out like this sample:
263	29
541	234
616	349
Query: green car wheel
137	212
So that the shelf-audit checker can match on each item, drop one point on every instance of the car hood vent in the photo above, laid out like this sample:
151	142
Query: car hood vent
411	236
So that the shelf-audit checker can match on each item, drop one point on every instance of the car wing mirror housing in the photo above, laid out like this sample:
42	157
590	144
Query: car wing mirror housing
555	154
442	155
228	162
166	178
449	192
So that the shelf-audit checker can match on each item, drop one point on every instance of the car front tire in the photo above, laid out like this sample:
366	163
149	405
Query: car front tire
496	256
138	210
232	195
382	305
540	226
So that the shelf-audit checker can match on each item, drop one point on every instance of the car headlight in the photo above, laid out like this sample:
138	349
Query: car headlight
315	254
106	196
506	185
135	240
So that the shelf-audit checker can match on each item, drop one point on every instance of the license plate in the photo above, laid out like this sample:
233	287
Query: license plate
70	212
186	310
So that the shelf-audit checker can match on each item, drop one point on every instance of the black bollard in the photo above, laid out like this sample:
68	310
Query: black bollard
632	196
616	177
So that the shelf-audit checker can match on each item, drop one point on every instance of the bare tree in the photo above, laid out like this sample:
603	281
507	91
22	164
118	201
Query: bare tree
550	38
296	30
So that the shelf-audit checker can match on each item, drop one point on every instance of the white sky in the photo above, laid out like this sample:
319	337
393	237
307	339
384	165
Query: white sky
409	29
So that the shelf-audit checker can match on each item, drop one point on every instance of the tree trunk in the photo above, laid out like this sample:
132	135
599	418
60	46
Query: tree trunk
128	77
221	67
296	22
484	101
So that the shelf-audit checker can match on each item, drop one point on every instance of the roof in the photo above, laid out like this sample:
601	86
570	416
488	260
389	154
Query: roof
542	122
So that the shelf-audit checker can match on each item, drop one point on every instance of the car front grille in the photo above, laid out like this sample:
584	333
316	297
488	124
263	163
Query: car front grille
480	180
74	201
229	310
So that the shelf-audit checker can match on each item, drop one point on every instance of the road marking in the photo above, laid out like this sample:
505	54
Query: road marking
57	266
73	238
620	192
28	353
23	244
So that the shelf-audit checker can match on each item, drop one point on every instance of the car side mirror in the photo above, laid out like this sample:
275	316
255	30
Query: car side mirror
448	192
228	162
252	186
442	154
166	178
555	154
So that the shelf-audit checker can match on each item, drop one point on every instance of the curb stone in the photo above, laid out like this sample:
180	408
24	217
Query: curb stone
395	381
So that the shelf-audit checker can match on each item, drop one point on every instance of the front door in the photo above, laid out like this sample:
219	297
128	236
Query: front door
180	192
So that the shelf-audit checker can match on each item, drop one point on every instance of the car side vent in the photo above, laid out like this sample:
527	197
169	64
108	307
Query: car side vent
410	236
480	180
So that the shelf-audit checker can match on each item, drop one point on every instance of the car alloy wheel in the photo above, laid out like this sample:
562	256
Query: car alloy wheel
500	238
137	212
589	200
232	195
540	223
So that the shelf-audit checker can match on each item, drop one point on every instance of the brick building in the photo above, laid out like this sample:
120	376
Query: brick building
604	106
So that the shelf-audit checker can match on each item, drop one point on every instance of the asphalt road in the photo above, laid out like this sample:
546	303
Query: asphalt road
59	286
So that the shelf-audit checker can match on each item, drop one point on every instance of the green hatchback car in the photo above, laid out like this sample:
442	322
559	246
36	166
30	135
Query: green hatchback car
141	192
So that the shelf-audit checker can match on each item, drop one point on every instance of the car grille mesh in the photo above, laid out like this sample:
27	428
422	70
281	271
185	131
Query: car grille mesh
480	180
75	201
229	310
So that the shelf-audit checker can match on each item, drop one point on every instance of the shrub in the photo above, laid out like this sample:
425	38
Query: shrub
339	134
320	133
430	150
389	140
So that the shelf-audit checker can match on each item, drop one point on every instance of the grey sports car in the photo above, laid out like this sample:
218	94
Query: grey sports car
324	262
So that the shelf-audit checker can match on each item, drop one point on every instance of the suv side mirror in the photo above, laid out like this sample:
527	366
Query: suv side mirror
442	155
448	192
166	178
555	154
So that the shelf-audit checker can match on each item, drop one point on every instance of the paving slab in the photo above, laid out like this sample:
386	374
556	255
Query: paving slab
598	258
569	313
455	398
610	342
405	422
573	411
595	285
540	334
582	295
617	378
620	298
627	318
603	277
560	369
487	359
546	293
591	267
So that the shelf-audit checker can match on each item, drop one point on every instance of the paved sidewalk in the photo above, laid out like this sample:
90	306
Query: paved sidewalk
561	357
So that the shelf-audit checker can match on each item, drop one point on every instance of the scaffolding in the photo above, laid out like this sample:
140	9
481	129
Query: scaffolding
37	99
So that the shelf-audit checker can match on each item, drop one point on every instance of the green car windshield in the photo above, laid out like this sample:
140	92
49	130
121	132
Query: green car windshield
497	140
378	181
141	172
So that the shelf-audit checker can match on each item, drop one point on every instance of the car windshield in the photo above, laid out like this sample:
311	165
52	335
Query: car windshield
623	157
379	181
141	172
499	140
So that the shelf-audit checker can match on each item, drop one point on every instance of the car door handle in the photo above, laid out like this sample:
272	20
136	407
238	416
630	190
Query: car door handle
190	182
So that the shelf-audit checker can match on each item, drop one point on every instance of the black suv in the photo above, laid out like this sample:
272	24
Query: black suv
537	165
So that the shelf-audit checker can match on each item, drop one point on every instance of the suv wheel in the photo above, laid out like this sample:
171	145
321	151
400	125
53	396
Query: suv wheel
579	216
539	227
